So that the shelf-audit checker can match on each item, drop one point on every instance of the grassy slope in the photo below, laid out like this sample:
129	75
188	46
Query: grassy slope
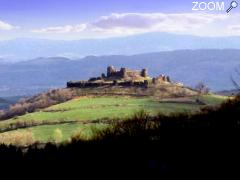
45	133
91	108
213	99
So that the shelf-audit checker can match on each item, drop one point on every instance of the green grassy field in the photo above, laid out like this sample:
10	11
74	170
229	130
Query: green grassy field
213	99
45	133
77	116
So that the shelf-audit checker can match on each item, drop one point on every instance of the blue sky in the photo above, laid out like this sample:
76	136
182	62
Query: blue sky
54	12
76	19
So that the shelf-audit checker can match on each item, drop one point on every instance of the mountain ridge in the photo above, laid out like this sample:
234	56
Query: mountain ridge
212	67
129	45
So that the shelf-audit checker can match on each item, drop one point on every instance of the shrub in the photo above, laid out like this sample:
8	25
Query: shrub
17	138
57	135
78	135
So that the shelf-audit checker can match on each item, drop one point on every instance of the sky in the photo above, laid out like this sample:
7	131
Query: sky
84	19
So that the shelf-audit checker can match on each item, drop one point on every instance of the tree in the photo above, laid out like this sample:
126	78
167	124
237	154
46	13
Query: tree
234	81
202	88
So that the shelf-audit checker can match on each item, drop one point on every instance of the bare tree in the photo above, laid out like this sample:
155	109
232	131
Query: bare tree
202	88
234	81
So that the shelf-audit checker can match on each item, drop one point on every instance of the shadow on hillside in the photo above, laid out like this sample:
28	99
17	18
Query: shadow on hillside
200	144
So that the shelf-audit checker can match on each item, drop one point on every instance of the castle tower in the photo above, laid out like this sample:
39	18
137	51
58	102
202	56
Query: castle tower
110	70
123	72
164	78
168	79
103	76
144	73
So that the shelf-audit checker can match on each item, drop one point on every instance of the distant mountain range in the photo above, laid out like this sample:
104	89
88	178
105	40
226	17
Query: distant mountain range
213	67
19	49
229	93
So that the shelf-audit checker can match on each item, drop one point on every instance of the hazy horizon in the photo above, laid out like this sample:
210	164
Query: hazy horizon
31	48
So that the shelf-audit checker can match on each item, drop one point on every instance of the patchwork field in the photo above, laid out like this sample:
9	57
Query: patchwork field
84	115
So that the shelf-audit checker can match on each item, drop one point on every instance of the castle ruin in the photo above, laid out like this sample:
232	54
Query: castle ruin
123	77
125	73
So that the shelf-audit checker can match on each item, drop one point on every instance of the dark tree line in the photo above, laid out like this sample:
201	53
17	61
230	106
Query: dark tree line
181	144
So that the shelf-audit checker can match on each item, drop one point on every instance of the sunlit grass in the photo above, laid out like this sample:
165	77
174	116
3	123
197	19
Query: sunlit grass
77	115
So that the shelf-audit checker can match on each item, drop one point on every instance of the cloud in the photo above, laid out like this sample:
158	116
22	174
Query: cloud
121	24
62	29
234	28
137	22
5	26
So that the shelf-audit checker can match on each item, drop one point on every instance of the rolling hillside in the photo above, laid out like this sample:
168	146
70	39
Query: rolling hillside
88	114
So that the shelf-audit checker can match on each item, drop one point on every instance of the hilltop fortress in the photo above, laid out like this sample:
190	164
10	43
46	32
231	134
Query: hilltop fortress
124	73
123	77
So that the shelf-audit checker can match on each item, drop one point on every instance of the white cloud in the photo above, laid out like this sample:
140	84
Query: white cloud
121	24
137	22
6	26
62	29
234	28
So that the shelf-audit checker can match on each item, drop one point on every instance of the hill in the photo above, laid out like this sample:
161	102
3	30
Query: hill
89	104
178	145
88	114
56	96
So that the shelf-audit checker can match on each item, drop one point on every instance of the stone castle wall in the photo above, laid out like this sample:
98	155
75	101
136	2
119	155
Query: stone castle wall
123	77
125	73
161	79
87	84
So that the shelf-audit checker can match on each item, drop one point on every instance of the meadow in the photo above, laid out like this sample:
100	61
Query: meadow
84	115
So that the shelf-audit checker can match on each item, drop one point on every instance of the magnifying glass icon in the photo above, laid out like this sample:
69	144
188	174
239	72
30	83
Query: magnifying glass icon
234	4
